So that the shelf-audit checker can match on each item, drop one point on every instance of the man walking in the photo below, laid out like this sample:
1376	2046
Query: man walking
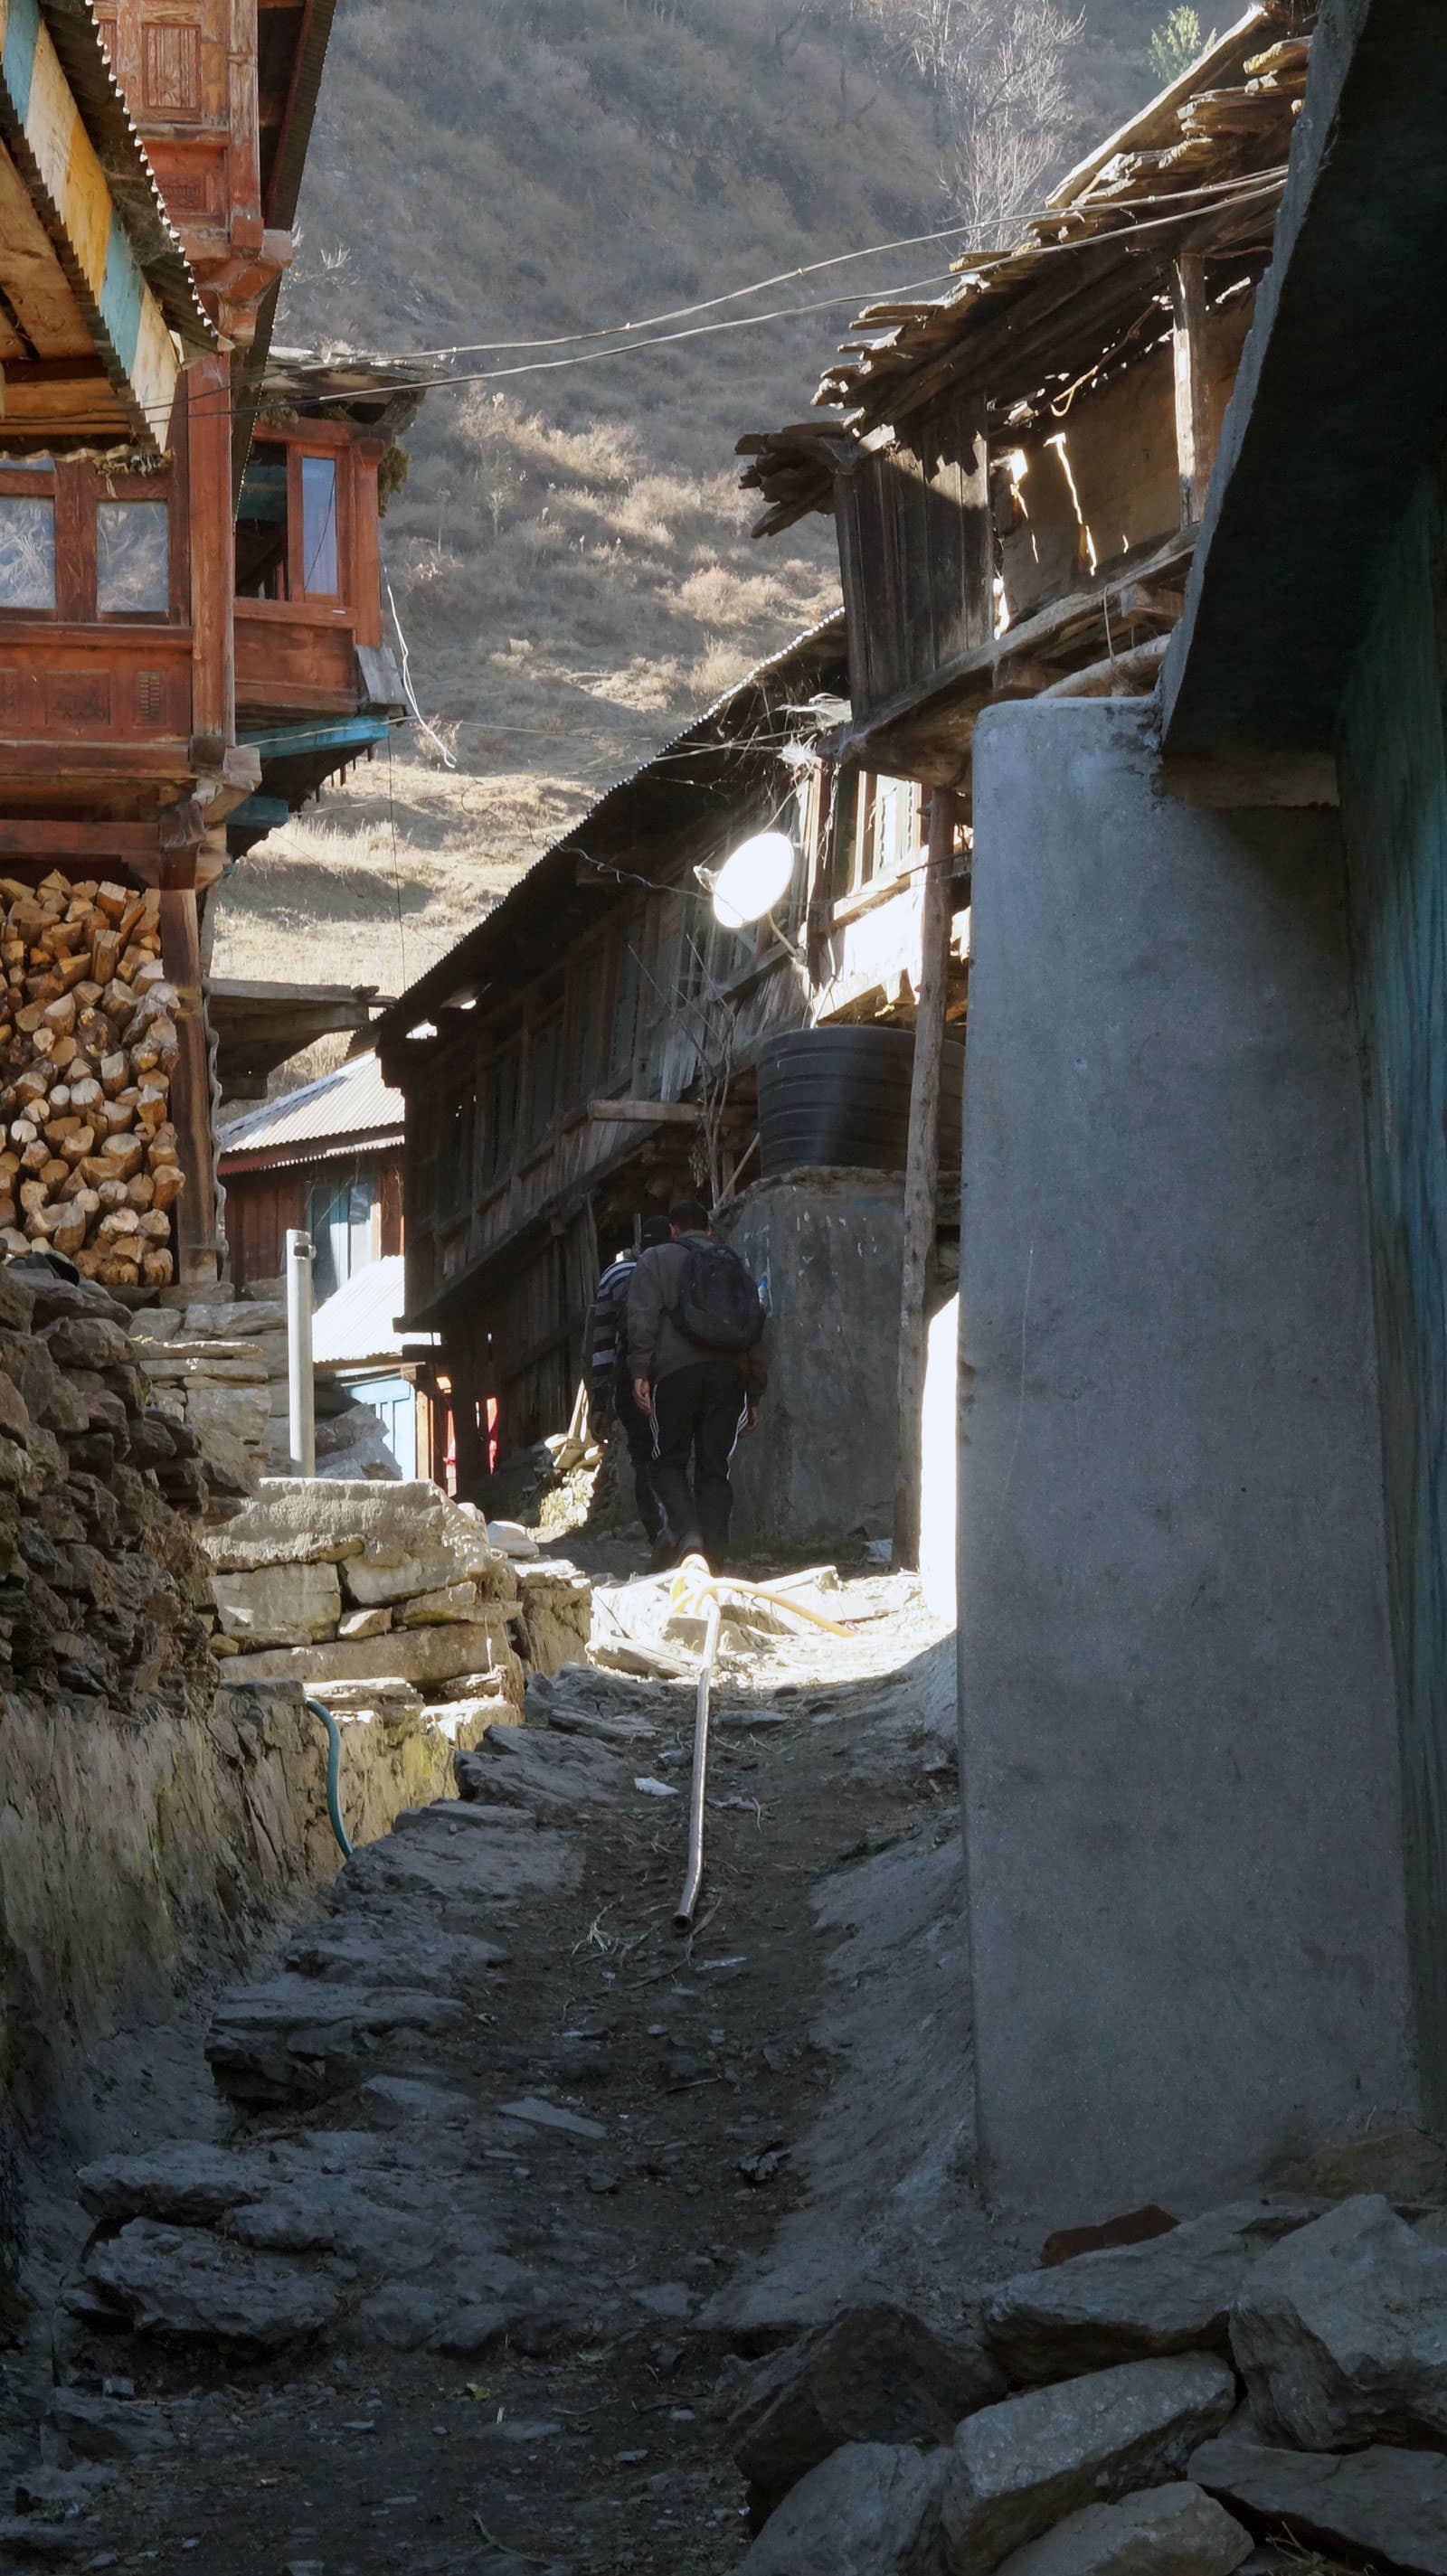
696	1359
610	1386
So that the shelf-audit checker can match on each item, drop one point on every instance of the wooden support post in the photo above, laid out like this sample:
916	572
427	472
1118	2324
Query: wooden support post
469	1441
1193	396
196	1249
921	1180
213	557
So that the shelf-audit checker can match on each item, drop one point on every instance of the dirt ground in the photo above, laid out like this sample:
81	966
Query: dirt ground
749	2160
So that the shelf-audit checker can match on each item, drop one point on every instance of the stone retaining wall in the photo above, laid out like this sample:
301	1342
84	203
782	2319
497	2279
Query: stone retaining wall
354	1582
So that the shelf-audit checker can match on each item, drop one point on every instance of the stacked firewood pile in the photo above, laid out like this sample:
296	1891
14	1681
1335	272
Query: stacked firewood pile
88	1155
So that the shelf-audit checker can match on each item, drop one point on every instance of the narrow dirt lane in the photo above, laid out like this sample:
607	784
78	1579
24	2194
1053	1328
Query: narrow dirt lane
467	2287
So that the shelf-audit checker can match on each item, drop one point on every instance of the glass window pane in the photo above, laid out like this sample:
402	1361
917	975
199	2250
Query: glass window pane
27	553
319	526
133	558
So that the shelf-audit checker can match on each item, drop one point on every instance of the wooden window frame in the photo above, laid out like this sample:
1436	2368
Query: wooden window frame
314	439
76	489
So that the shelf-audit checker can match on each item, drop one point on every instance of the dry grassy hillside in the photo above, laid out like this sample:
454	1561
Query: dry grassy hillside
570	555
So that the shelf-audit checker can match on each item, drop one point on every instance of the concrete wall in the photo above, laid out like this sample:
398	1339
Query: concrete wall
1178	1730
939	1463
822	1462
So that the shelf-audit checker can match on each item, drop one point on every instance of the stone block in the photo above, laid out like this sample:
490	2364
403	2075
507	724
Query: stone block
429	1609
1164	2531
17	1302
1401	2164
185	2282
1172	2293
300	1516
385	1571
88	1342
875	2374
873	2509
242	1320
295	2039
1383	2505
1017	2468
1340	2333
365	1623
422	1655
282	1605
187	2185
240	1411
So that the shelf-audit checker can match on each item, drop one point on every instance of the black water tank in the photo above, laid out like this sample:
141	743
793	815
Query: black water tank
842	1096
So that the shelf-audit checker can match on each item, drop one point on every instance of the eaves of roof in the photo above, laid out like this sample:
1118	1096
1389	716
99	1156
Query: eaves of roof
76	36
1201	142
651	784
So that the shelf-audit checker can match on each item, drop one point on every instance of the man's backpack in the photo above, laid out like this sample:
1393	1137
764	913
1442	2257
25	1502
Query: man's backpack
718	1304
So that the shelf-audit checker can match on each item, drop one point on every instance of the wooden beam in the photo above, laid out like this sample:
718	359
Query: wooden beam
197	1262
1193	393
645	1113
921	1179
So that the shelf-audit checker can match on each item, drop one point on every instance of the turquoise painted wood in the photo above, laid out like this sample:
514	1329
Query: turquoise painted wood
1393	767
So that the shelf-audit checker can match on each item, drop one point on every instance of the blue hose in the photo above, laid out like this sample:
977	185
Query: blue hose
334	1774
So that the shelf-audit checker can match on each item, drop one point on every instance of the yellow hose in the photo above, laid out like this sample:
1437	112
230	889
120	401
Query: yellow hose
693	1585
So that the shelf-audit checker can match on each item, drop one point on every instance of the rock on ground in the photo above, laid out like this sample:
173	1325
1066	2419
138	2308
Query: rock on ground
179	2281
1018	2467
1386	2505
874	2375
1341	2333
872	2509
1163	2531
1172	2293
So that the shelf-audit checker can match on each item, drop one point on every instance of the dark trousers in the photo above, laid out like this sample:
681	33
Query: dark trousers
698	1413
637	1430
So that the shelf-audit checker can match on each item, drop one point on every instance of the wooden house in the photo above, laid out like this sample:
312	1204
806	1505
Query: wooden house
591	1045
1017	469
326	1160
150	159
316	685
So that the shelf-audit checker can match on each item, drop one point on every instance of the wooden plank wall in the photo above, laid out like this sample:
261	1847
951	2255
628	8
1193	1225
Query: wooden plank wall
1393	768
916	551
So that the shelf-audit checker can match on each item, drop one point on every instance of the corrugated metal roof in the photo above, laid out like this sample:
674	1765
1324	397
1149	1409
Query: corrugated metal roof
360	1323
353	1101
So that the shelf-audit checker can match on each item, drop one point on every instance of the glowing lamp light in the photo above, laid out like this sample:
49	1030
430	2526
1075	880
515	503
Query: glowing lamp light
753	879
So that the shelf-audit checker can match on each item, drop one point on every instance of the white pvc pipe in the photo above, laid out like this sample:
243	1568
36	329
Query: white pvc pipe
301	1387
698	1791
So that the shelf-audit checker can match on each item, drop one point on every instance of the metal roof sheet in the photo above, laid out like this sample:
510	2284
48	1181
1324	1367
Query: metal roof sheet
353	1101
361	1323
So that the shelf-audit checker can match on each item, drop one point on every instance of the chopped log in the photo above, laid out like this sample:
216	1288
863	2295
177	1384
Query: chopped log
114	1074
158	1268
86	1095
117	1222
79	1148
117	1117
113	1272
170	1181
154	1226
106	956
54	1170
114	901
113	1193
123	1154
141	1190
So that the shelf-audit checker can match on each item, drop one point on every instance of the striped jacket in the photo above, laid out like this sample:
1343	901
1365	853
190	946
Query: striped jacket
610	1308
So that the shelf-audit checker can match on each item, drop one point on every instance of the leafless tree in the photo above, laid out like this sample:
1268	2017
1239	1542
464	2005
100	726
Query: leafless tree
996	69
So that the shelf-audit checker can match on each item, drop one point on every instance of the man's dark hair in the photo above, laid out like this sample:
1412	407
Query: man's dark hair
690	1217
655	1229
